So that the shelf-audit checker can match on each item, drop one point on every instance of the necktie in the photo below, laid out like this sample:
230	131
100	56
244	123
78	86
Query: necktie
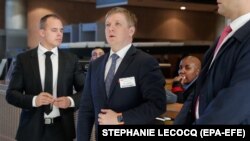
111	73
224	34
48	83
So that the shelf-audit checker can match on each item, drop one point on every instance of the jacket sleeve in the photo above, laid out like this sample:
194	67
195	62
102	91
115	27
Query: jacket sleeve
78	82
14	93
86	111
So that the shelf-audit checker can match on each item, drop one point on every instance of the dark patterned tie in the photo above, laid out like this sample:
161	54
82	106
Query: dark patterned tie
48	83
111	73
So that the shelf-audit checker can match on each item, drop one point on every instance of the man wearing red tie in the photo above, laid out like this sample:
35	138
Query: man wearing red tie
222	90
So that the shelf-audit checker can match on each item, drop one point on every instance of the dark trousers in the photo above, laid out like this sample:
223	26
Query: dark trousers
54	132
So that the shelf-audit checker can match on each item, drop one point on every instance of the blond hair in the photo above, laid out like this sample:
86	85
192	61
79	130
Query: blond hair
131	18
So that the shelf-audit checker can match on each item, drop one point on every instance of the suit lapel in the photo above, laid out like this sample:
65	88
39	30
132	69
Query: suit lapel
223	48
239	35
123	66
35	68
60	77
204	72
101	71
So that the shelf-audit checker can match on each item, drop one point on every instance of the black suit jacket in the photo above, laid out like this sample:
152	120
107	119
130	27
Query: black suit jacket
223	87
139	104
26	83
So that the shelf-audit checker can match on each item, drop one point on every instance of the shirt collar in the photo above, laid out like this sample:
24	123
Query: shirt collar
42	50
121	53
186	86
239	22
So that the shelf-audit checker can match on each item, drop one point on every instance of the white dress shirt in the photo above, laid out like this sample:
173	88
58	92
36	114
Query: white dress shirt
55	63
121	53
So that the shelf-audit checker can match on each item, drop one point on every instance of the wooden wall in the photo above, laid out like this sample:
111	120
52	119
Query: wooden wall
154	24
2	14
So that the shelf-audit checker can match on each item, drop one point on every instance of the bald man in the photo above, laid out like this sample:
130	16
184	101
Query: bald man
184	83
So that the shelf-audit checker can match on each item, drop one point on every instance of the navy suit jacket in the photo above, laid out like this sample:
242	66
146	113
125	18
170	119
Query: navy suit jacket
223	89
26	83
139	104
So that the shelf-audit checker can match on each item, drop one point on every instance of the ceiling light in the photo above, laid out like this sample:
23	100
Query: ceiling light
183	7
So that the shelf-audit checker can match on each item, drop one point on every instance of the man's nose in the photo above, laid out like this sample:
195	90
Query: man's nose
181	71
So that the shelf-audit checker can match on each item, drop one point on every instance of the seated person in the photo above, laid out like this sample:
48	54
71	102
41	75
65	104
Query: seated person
184	83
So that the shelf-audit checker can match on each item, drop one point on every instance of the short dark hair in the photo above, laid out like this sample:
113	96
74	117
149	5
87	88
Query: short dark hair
44	19
97	48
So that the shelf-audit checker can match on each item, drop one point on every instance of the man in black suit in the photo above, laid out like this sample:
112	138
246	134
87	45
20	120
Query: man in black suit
135	94
28	87
222	88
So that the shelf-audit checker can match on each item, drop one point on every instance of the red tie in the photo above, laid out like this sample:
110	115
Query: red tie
224	34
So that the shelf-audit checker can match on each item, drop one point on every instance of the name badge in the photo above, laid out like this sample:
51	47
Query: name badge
127	82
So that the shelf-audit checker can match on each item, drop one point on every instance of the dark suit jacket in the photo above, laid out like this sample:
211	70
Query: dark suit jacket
223	89
139	104
26	83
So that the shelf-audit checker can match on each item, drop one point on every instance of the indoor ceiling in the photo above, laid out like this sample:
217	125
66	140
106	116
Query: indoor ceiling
197	1
192	5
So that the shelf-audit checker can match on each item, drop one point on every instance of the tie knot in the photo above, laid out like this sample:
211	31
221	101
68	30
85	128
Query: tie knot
114	57
227	29
48	53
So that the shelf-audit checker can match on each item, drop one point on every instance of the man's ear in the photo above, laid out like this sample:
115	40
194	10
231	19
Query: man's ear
41	33
197	72
131	31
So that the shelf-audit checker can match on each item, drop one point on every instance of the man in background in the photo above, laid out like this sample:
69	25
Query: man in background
184	83
96	53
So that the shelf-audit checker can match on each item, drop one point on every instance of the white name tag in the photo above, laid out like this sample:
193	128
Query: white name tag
127	82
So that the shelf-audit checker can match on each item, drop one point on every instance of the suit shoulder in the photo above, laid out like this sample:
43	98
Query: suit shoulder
68	54
144	56
26	53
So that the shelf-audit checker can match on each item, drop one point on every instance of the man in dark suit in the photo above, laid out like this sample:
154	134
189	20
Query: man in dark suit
136	94
222	89
28	87
184	83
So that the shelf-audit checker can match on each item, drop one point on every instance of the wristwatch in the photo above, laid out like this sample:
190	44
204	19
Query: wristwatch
120	118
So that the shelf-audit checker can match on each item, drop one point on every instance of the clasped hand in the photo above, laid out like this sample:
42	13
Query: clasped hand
45	98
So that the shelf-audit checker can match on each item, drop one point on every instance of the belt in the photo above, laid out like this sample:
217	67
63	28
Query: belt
52	120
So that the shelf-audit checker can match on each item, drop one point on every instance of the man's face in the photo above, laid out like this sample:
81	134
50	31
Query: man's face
188	70
52	34
117	30
96	53
229	8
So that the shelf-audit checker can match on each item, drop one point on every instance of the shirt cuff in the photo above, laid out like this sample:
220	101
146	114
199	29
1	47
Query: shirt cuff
72	103
34	101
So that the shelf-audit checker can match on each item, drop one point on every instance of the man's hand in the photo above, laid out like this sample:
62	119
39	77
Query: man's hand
44	98
180	78
108	117
62	102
